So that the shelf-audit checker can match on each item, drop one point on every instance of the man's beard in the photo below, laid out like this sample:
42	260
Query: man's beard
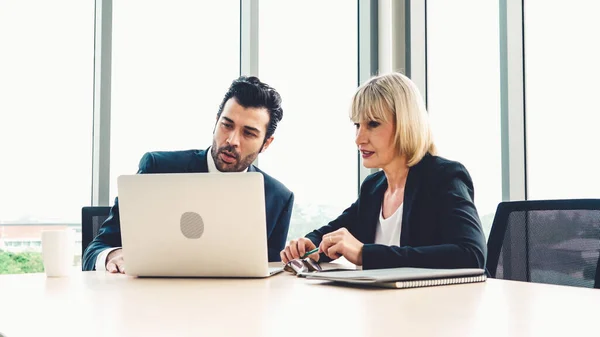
238	166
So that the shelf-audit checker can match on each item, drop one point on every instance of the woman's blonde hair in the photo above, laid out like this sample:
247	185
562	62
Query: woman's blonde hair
397	95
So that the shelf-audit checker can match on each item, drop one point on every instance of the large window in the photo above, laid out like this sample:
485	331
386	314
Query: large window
172	63
562	109
46	105
308	52
463	73
46	81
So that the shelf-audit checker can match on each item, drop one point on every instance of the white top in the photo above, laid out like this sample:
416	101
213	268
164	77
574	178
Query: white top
388	230
101	259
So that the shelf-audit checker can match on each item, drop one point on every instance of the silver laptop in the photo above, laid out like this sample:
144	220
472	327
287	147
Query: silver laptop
194	225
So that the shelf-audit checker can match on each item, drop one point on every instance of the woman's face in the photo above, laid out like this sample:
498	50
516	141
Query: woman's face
375	141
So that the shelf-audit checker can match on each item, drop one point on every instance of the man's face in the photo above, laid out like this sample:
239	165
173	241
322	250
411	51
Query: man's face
239	136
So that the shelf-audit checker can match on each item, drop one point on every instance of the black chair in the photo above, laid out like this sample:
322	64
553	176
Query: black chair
546	241
92	219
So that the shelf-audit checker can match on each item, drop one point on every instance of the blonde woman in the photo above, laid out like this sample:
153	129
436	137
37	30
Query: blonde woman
418	210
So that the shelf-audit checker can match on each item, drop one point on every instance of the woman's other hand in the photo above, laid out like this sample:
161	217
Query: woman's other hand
342	243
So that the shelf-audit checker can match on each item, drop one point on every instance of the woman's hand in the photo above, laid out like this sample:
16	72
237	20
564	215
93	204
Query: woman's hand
295	249
342	243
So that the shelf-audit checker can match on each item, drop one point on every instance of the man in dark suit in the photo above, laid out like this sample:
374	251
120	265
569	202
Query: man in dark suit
246	122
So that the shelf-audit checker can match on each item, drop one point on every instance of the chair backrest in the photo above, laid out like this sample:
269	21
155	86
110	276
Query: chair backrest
546	241
92	219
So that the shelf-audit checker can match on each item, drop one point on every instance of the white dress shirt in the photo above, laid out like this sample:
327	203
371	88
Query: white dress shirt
388	230
101	259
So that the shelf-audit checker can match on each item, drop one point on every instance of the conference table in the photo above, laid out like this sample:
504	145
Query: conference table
104	304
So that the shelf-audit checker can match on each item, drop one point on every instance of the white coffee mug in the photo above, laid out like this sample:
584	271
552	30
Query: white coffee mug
58	252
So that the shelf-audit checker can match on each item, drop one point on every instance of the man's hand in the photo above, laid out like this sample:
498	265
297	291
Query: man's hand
114	261
342	243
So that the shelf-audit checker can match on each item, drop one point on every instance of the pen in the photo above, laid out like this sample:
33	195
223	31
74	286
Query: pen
310	252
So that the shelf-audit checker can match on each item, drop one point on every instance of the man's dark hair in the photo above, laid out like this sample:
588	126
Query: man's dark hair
250	92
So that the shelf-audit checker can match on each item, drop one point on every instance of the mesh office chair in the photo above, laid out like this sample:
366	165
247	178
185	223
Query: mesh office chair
546	241
92	219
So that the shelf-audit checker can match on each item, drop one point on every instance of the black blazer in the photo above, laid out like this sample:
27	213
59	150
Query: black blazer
440	225
278	203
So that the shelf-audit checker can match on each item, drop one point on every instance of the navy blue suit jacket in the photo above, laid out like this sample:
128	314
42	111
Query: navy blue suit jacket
278	203
440	225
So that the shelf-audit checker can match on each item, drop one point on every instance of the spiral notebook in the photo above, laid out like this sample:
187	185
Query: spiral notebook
403	277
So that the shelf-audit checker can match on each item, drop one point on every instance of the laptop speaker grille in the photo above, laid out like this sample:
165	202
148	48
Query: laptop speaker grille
192	225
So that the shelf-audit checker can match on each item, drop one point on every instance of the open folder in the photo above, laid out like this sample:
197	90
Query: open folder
402	277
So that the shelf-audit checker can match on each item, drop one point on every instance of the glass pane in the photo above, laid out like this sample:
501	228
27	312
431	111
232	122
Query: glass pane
46	111
21	247
171	67
463	83
314	152
561	88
